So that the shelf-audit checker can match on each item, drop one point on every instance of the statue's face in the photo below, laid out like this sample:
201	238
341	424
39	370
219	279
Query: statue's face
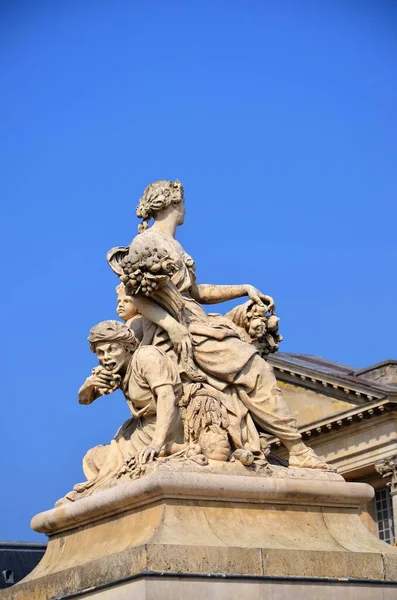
126	308
112	356
256	327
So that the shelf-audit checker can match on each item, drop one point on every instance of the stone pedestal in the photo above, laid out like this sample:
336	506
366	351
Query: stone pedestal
207	534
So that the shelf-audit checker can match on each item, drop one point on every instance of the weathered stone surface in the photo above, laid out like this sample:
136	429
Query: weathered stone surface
316	563
189	523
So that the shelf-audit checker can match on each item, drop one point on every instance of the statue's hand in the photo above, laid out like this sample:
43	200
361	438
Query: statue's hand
183	346
181	341
256	296
105	382
149	453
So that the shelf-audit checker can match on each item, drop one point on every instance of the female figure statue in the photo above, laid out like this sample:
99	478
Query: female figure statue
160	276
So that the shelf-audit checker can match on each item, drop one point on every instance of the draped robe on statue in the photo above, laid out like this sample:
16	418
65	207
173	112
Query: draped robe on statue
232	366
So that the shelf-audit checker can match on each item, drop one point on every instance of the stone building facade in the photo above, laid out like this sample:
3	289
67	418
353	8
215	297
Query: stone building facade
349	417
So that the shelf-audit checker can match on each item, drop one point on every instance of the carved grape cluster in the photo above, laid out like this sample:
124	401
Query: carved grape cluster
269	342
146	270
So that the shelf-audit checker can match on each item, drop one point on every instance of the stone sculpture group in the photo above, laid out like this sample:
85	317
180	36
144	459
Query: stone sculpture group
197	384
186	501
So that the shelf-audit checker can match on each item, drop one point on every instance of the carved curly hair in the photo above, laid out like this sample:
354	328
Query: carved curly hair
157	196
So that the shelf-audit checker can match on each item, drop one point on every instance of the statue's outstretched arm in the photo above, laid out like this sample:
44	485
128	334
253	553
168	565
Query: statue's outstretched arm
154	312
206	293
88	392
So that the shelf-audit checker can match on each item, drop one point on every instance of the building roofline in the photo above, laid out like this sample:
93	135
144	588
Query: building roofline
379	365
342	419
22	545
342	384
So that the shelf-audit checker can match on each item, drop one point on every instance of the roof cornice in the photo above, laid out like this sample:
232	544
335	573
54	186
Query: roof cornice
343	419
384	363
359	391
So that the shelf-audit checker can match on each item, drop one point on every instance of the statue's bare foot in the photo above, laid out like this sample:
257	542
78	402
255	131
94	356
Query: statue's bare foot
308	459
173	448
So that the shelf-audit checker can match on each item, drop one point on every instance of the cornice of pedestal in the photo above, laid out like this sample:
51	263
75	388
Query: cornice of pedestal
299	487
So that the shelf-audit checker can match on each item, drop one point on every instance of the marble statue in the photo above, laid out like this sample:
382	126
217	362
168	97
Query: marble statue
197	384
188	485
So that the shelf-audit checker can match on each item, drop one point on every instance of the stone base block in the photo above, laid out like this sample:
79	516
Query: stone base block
222	534
152	587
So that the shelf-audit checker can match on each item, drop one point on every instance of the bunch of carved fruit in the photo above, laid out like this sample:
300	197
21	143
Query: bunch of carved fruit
146	271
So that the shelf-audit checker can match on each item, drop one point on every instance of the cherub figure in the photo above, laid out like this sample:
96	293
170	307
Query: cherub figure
128	312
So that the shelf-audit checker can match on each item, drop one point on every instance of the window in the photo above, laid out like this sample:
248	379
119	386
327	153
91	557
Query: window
384	515
8	576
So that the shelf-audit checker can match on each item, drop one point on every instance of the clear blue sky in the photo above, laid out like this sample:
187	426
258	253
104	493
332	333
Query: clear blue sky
280	120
